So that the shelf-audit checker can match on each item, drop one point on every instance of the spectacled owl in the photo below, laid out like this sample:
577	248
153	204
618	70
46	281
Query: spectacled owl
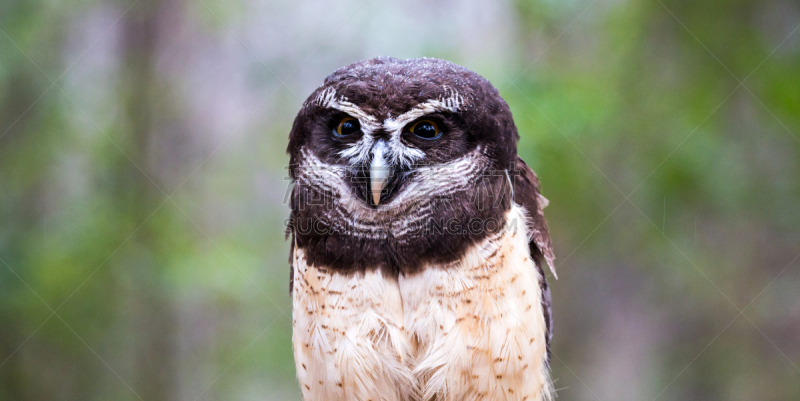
418	240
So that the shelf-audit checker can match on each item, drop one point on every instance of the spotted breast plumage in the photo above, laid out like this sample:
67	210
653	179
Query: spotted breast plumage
418	240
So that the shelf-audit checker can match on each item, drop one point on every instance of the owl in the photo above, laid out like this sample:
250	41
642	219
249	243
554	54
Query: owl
417	240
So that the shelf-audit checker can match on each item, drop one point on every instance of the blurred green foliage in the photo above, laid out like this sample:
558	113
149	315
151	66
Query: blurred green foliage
142	186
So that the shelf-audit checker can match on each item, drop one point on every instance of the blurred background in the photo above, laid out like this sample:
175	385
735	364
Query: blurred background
143	186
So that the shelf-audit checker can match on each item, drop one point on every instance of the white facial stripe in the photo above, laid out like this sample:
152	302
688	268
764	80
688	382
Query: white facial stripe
358	152
444	179
399	153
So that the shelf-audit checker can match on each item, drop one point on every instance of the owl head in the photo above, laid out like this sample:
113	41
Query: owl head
399	163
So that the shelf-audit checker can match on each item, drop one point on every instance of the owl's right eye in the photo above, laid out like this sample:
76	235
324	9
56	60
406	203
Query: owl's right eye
347	126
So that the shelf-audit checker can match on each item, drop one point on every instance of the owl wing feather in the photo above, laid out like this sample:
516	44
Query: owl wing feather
527	194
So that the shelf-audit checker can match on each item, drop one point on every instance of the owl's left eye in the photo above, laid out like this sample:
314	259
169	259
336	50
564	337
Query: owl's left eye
347	126
425	129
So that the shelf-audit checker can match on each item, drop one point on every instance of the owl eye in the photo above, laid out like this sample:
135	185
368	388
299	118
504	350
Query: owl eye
425	129
347	126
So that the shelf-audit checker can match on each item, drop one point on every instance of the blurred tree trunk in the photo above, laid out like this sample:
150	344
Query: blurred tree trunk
24	102
152	312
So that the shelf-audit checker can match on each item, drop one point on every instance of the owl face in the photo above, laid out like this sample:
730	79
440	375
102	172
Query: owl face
386	151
